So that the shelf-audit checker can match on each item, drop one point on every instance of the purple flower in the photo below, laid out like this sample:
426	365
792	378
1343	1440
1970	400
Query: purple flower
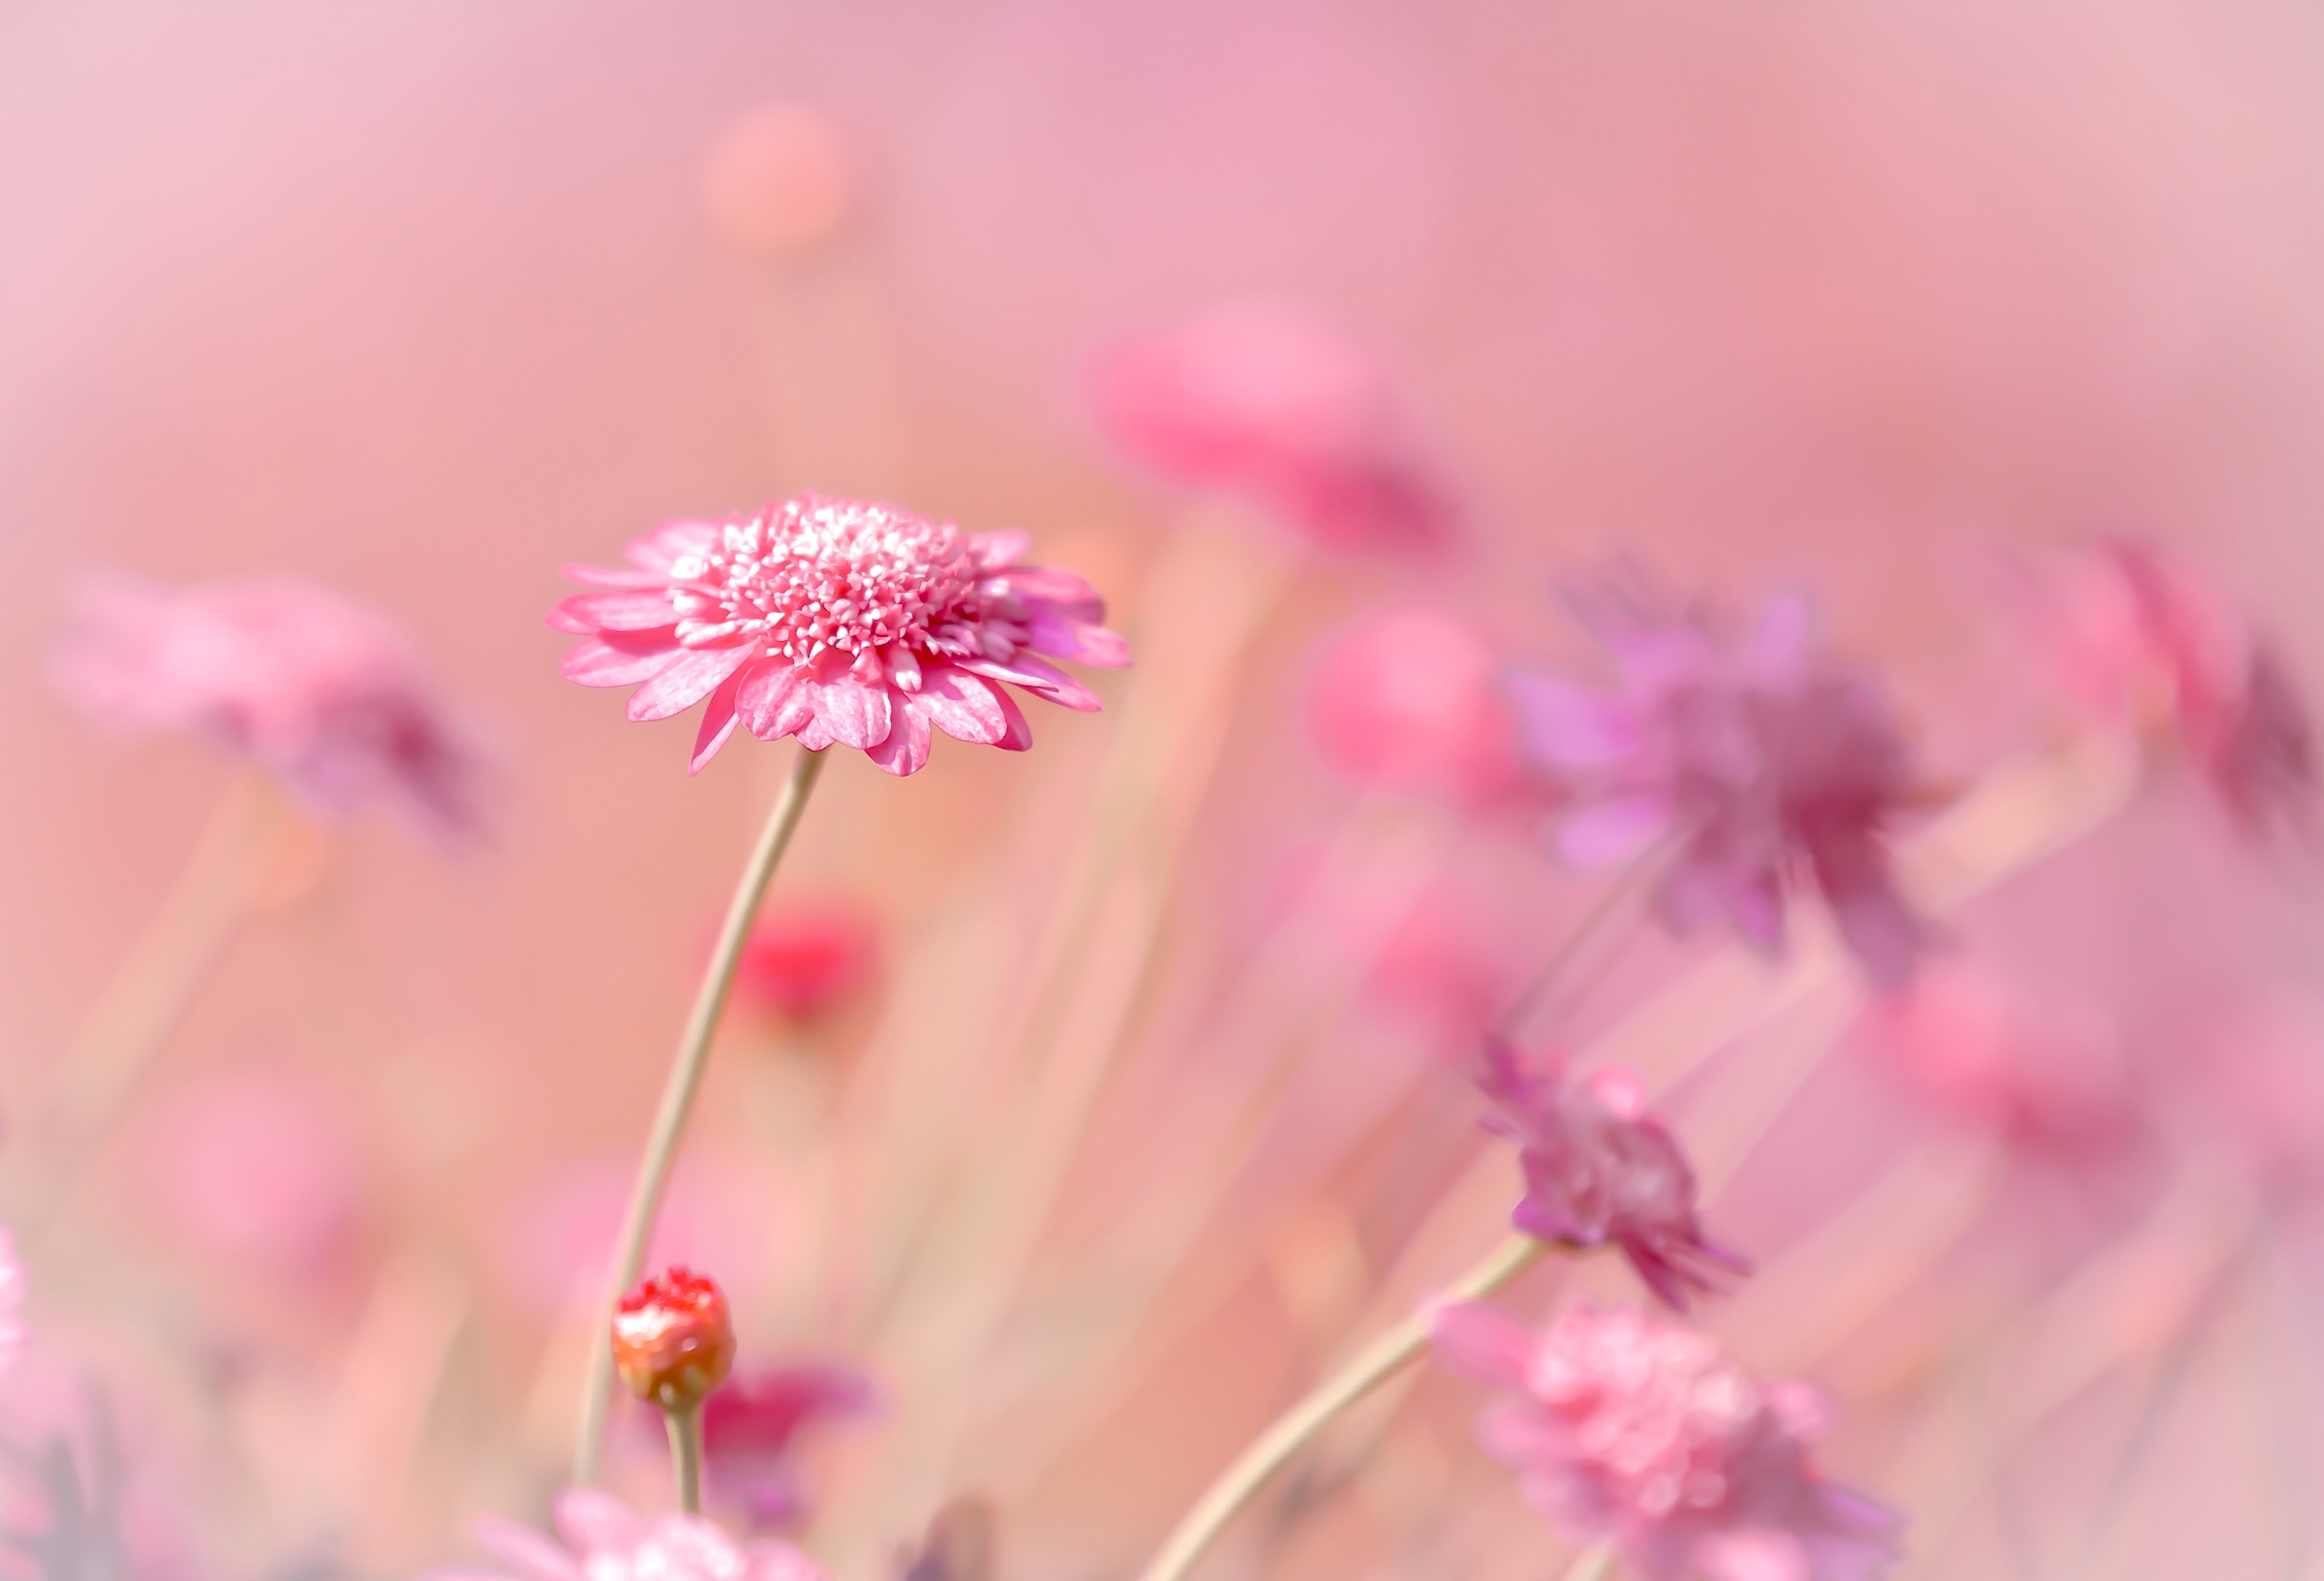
1765	763
1600	1171
750	1427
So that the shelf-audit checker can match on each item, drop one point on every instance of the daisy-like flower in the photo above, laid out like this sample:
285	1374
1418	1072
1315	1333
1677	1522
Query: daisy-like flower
605	1540
1764	761
750	1427
838	622
323	693
1602	1172
1630	1428
1272	402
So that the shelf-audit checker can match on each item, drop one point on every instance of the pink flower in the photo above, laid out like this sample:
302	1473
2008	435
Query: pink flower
604	1540
803	961
326	694
1272	402
1411	700
749	1429
1600	1171
1759	756
1630	1428
838	622
14	1334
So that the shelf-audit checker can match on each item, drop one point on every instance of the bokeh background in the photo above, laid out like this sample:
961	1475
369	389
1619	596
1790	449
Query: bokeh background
426	300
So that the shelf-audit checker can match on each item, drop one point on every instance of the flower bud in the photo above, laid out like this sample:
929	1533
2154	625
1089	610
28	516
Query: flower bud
672	1340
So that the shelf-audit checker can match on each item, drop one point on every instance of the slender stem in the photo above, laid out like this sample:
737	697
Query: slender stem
678	1096
1371	1368
686	1455
1596	1563
1610	907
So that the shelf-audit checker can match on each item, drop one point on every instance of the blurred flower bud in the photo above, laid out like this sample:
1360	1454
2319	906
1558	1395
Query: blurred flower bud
780	181
672	1340
802	962
1411	700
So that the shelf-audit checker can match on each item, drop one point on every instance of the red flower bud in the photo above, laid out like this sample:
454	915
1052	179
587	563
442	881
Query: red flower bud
672	1340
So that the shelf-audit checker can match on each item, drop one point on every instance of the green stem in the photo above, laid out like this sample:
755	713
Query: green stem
686	1455
1371	1368
678	1095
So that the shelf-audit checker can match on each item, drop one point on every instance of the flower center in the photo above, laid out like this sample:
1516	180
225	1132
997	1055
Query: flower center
814	574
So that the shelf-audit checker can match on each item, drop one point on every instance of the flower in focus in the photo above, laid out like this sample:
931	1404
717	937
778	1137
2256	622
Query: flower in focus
1412	700
1634	1429
1602	1172
750	1426
1759	760
837	622
804	961
1272	402
673	1341
2140	632
326	694
605	1540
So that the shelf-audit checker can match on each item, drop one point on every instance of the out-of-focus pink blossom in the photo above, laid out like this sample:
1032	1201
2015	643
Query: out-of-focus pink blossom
840	622
805	960
1634	1429
1763	759
1274	402
779	180
87	1486
14	1334
328	695
605	1540
750	1430
1412	700
257	1166
1602	1172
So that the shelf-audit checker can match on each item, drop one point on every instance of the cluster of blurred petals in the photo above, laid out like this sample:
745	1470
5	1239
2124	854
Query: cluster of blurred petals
604	1540
325	693
1748	763
839	622
1633	1429
751	1431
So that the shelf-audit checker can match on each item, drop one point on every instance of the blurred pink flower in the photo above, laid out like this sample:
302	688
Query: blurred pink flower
1272	402
2138	631
839	622
14	1334
1411	700
1600	1171
1763	759
605	1540
750	1430
326	694
1631	1428
257	1166
802	960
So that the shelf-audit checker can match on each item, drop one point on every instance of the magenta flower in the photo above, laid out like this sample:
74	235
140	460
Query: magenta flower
1272	402
323	693
837	622
751	1428
604	1540
1633	1429
1602	1172
1762	761
805	960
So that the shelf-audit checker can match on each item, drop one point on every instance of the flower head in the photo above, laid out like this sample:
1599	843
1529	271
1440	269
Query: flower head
749	1428
672	1340
605	1540
326	694
837	622
805	960
1274	402
1602	1172
1759	760
1631	1428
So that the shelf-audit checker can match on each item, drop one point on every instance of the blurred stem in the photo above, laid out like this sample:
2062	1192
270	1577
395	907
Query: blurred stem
1596	1563
1613	907
678	1096
686	1455
1371	1367
222	886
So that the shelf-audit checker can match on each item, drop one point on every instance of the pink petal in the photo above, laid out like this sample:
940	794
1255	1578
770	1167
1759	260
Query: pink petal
1516	1434
658	549
1611	831
717	722
905	750
1017	735
619	611
524	1551
591	1520
1051	632
993	550
772	700
964	707
1570	727
596	662
817	733
615	576
693	674
1039	677
855	711
1483	1343
1046	585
